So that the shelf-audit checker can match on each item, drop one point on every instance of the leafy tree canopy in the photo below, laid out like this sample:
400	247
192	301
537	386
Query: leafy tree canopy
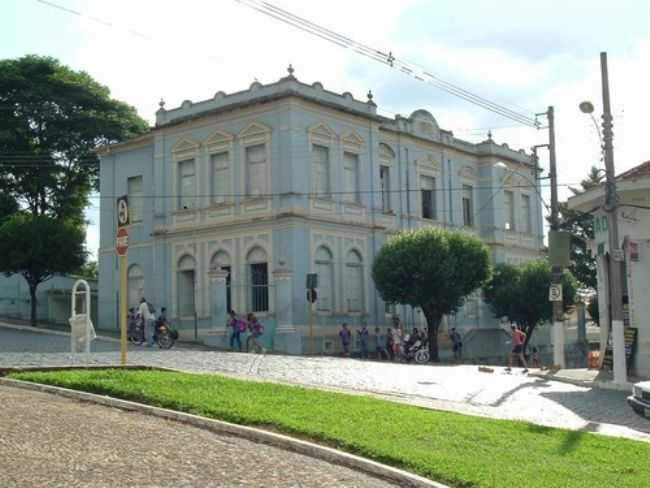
433	269
38	247
51	121
521	293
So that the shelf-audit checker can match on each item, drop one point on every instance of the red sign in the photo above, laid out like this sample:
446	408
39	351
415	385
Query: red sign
122	242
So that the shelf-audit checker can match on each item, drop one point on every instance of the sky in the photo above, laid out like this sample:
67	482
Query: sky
524	55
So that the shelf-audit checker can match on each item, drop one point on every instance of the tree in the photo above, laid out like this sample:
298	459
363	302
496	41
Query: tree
51	122
38	248
580	226
433	269
520	293
8	206
89	270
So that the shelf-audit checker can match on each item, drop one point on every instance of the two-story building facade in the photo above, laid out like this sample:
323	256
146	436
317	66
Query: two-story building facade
235	199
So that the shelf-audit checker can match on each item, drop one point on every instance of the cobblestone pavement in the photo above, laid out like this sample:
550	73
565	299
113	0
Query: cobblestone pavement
52	441
17	340
456	388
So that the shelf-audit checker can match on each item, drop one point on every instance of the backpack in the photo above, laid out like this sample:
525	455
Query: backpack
241	325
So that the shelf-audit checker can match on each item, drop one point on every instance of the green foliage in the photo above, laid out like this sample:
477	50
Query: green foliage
580	226
459	450
51	122
38	247
8	206
433	269
521	293
89	270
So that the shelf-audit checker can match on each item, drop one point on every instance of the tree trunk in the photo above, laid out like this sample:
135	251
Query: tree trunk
32	294
433	322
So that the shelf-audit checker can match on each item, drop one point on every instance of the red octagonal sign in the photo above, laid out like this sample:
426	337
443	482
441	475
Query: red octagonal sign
122	243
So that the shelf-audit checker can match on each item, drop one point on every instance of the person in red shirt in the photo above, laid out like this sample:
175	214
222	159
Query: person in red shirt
518	340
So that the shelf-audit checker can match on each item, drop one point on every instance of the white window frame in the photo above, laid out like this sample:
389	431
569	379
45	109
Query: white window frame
351	166
359	268
136	199
220	178
471	217
386	160
329	262
321	172
185	149
434	206
186	201
253	135
384	183
527	213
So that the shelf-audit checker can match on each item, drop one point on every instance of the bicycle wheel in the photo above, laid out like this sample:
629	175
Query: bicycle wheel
165	340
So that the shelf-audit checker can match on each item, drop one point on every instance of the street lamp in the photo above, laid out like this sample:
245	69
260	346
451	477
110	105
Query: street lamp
587	107
615	284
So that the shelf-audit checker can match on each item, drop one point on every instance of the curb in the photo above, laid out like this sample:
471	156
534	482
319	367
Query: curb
602	385
333	456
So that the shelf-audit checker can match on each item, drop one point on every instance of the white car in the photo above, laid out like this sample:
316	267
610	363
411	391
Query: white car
640	399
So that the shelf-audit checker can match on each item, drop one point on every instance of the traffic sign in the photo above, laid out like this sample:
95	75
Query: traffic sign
123	211
555	293
122	241
311	295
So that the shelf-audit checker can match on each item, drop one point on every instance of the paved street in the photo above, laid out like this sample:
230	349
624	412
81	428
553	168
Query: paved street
12	340
53	441
456	388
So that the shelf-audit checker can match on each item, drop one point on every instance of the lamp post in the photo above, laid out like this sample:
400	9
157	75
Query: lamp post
615	253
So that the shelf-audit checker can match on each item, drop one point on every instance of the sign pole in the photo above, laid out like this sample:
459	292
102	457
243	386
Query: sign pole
310	305
123	309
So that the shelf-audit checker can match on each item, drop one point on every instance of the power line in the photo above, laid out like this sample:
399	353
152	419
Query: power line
406	67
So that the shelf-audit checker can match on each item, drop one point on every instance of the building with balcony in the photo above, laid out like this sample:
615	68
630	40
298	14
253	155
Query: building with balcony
233	200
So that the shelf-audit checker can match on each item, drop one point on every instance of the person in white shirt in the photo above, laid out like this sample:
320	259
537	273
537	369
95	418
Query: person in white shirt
149	320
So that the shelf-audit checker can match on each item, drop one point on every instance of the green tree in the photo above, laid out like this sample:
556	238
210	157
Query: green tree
38	247
51	121
520	293
89	270
433	269
8	206
580	226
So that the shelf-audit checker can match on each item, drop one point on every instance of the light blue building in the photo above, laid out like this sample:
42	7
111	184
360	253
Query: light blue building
235	199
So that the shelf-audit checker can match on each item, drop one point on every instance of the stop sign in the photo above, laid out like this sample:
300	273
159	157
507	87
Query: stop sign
122	241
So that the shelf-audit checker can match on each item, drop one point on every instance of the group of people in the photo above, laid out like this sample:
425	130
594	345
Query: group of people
145	316
383	346
239	325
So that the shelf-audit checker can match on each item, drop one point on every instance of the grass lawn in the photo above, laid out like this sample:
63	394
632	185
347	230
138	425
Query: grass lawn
456	449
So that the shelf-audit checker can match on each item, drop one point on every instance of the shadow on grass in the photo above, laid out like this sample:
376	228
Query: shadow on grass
571	439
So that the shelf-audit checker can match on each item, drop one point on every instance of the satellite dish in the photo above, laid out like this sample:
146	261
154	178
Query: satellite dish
586	108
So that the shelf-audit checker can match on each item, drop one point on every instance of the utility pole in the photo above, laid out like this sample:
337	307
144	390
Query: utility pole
615	253
558	308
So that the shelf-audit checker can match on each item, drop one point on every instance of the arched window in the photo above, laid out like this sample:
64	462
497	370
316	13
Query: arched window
323	265
221	262
354	282
258	279
186	286
135	285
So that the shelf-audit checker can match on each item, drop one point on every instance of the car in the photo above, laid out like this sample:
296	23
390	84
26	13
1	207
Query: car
640	399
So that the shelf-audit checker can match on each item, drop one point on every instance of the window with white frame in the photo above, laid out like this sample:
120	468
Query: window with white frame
135	285
351	178
427	193
258	279
136	198
185	286
525	210
354	282
220	178
324	268
320	183
468	206
256	180
384	181
186	184
509	210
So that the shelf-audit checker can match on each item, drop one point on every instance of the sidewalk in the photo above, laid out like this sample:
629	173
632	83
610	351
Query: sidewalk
48	440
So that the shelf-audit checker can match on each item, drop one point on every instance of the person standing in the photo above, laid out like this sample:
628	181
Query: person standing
390	343
148	321
346	337
457	344
518	341
235	330
256	330
380	345
397	336
364	337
